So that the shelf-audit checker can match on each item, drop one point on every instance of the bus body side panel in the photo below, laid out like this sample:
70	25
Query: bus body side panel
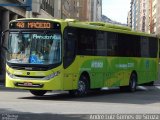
147	70
115	71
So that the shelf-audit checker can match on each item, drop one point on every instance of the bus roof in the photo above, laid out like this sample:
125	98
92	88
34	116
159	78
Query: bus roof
94	25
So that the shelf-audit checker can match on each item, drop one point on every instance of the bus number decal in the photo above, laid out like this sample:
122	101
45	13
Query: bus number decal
20	24
97	64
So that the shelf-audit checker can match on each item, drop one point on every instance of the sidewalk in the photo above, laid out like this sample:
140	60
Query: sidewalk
2	85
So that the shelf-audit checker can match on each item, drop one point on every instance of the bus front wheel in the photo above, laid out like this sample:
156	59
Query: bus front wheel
38	92
83	87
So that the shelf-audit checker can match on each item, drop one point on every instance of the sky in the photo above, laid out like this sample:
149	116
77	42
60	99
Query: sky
116	10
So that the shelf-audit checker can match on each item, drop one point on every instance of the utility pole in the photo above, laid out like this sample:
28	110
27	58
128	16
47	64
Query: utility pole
27	5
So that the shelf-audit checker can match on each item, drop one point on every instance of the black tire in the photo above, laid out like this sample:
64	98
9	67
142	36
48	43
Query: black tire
83	87
132	83
38	92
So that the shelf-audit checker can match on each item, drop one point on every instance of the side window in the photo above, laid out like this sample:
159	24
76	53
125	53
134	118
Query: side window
123	45
153	47
112	45
128	45
70	38
144	47
101	43
86	42
149	47
136	46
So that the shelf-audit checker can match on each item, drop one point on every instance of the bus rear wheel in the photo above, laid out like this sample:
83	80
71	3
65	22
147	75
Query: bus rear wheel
83	87
132	83
38	92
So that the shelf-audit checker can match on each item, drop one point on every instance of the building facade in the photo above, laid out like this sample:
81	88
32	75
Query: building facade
134	17
146	16
70	9
143	15
138	17
96	10
158	18
85	10
129	23
153	17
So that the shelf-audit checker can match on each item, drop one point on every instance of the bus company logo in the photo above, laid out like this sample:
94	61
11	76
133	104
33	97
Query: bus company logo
28	73
97	64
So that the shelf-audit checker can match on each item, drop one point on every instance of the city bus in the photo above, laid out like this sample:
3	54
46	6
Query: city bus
69	55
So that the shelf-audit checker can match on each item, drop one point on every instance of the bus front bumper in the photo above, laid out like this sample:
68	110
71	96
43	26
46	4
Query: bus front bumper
52	84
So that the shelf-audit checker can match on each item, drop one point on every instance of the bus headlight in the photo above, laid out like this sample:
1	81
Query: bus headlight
51	76
10	75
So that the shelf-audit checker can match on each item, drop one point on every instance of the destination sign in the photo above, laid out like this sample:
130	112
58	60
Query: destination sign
34	25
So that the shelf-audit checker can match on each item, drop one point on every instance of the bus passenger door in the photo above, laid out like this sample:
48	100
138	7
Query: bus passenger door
98	64
69	57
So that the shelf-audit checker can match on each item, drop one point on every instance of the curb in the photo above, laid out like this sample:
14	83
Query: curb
2	85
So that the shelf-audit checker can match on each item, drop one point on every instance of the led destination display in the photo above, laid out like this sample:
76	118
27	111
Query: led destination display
34	25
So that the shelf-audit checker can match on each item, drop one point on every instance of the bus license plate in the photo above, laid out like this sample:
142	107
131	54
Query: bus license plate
28	84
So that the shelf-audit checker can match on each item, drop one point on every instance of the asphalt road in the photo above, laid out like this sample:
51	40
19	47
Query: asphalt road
21	105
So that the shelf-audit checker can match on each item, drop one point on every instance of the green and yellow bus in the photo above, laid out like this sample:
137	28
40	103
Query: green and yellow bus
51	54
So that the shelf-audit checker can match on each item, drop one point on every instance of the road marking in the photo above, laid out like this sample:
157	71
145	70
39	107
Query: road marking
142	87
105	88
158	87
111	88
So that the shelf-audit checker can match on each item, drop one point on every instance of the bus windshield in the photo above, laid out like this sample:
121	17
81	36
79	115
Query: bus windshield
34	47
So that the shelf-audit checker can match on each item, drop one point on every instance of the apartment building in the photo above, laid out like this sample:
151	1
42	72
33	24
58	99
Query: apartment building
129	16
70	9
154	17
135	14
158	18
151	16
129	19
138	18
85	10
146	16
96	10
142	15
